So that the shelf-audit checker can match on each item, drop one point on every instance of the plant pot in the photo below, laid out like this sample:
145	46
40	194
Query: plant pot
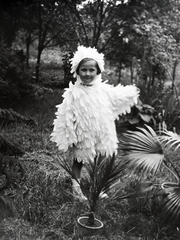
84	229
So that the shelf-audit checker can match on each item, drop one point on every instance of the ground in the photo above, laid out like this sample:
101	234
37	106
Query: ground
44	207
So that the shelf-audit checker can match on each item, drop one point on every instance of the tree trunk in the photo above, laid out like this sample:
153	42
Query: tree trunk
132	73
38	63
28	42
174	72
119	75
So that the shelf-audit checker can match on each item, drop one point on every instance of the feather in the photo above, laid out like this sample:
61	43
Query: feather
86	117
123	98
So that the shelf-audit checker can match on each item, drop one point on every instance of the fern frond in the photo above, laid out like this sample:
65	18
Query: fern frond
8	116
10	149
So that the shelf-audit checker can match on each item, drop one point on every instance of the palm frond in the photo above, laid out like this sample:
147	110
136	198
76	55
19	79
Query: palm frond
170	139
171	204
62	163
142	150
141	190
102	175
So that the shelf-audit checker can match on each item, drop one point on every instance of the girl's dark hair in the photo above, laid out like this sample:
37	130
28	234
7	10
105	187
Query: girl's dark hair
85	60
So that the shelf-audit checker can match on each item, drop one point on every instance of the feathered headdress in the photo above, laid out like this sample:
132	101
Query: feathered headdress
86	52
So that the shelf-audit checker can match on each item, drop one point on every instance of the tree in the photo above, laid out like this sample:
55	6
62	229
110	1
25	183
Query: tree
9	20
96	22
40	20
171	25
145	45
50	24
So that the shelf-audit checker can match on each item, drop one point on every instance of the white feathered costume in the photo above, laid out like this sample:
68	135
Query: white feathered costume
85	118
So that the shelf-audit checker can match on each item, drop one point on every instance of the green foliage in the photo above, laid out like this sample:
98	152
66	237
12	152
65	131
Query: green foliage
11	171
14	79
43	189
145	152
16	82
140	114
168	108
8	117
101	177
8	148
68	76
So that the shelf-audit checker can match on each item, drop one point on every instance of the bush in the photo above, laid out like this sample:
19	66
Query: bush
16	81
13	77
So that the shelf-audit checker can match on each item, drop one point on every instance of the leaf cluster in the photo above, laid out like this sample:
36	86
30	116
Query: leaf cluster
11	170
140	114
101	177
13	78
146	153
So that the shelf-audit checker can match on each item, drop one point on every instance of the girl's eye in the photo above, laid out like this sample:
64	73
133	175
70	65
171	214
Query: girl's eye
84	69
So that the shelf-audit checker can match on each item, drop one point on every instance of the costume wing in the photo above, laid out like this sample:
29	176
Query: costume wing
63	133
123	98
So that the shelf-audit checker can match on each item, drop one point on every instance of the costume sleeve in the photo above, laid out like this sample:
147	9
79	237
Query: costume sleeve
123	98
64	131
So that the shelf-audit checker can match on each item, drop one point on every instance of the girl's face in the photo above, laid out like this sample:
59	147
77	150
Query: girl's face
88	71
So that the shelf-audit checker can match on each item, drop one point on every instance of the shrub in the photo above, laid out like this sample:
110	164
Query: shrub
146	152
10	169
13	75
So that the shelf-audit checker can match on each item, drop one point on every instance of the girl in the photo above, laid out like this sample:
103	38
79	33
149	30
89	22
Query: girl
85	118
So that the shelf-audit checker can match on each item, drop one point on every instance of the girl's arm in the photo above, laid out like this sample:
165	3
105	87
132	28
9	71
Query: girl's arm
123	98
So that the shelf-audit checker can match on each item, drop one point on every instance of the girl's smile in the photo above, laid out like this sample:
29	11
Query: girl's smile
88	71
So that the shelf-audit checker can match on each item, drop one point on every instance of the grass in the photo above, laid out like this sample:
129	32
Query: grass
43	208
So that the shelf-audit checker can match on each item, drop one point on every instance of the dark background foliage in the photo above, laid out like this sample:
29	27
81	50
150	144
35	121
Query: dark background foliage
140	40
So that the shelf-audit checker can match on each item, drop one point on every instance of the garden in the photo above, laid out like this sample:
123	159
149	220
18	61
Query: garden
141	46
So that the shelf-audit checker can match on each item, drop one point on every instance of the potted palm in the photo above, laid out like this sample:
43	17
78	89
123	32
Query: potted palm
99	179
146	152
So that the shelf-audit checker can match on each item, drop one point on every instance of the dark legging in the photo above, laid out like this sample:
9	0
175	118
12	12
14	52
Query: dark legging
76	168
